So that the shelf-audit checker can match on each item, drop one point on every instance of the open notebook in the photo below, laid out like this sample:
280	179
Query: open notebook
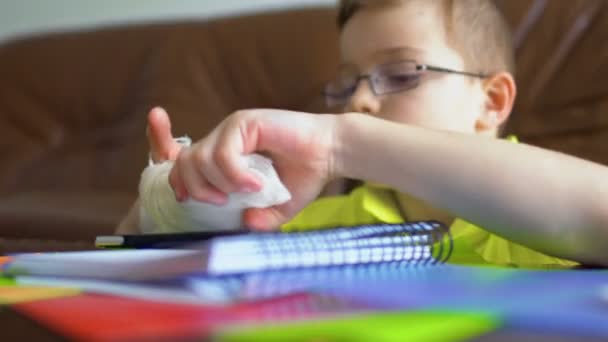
415	242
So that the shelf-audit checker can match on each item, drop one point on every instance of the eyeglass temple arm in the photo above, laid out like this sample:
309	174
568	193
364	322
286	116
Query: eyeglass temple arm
433	68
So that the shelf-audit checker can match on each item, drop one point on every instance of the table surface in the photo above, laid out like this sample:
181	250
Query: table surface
16	327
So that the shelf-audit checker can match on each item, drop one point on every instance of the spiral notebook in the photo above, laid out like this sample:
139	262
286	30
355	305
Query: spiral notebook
425	243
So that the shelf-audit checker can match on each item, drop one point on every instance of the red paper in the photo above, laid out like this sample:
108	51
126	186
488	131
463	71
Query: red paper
108	318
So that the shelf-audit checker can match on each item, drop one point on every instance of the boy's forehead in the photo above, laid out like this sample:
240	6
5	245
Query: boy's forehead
399	31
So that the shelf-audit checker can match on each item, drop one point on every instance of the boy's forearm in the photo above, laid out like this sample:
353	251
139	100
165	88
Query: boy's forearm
546	200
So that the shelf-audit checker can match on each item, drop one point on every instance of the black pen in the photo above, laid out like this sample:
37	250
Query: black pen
161	240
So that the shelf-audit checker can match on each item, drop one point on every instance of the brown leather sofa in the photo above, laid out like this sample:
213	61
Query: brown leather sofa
73	105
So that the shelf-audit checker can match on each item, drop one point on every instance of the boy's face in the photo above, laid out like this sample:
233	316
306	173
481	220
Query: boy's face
414	30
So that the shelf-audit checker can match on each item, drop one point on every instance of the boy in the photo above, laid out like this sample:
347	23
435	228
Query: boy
434	80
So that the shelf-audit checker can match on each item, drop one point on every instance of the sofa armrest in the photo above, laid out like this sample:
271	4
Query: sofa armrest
10	246
72	216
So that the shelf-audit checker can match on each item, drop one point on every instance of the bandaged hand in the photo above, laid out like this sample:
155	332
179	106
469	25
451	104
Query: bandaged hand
218	168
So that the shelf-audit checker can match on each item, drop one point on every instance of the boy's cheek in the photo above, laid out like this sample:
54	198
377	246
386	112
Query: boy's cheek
413	108
399	110
443	113
443	103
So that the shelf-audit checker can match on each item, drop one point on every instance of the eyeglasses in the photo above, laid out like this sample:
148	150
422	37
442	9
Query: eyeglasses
384	79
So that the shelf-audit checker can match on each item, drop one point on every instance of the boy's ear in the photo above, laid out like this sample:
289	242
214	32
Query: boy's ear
500	92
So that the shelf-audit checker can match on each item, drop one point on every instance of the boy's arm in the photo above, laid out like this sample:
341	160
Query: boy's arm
549	201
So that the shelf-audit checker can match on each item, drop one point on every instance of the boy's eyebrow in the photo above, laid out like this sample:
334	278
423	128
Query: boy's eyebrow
408	51
398	50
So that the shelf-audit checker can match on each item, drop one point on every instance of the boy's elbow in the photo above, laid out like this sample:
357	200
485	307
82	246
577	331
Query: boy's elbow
601	214
594	244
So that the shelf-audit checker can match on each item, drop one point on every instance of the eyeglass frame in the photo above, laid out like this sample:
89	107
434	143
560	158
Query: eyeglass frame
418	68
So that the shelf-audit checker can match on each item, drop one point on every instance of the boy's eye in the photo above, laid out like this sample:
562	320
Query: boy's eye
340	88
397	82
338	93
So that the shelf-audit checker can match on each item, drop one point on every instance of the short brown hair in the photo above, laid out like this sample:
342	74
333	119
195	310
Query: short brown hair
476	28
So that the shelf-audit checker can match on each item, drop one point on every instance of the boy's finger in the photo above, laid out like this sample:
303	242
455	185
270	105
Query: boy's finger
187	183
231	172
162	145
264	219
233	143
179	188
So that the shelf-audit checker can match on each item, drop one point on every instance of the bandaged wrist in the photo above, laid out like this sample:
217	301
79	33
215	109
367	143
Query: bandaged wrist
160	212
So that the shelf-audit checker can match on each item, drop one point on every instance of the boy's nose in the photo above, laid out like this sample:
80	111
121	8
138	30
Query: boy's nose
363	100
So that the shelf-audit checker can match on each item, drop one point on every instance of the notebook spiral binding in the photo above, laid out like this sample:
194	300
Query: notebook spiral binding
424	242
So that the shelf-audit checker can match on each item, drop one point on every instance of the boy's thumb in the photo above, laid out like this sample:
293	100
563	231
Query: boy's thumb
160	138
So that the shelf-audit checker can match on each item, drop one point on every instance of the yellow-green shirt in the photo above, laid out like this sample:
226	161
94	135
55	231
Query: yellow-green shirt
371	204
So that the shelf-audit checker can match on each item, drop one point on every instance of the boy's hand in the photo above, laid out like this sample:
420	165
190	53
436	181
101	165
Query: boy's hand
299	144
160	138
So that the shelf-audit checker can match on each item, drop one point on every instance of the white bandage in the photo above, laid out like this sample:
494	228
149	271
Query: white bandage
160	212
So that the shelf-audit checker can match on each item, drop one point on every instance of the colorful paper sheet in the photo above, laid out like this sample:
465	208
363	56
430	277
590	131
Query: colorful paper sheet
388	326
551	301
570	302
10	293
108	318
6	281
4	260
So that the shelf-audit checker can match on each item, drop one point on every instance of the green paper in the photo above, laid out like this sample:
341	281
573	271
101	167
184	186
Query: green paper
389	326
4	281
